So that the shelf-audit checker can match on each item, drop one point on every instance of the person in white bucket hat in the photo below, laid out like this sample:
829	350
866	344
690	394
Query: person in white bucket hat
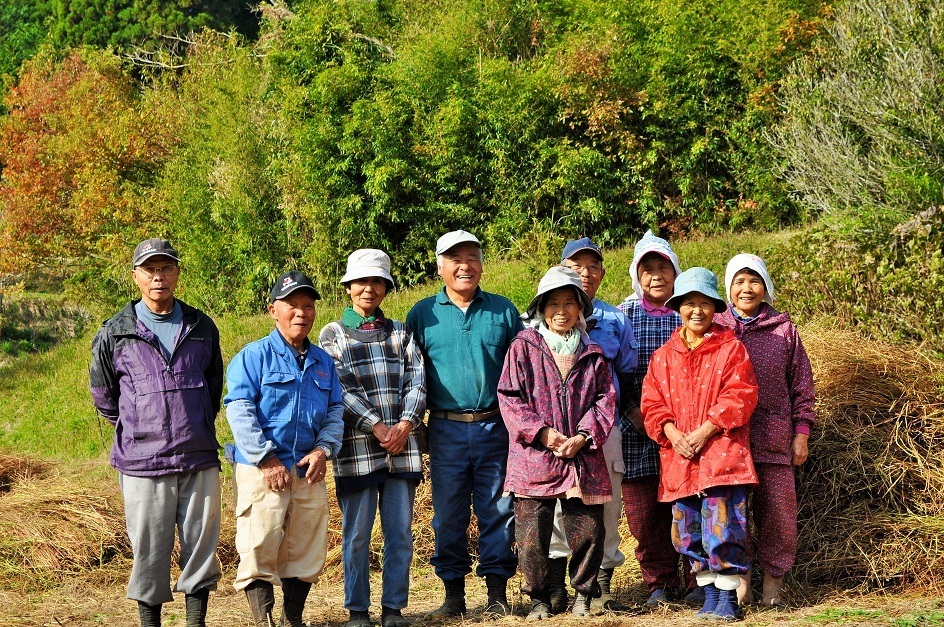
381	370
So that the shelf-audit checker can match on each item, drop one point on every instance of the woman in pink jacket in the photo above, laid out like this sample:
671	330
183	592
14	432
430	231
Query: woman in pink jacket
697	399
557	398
782	421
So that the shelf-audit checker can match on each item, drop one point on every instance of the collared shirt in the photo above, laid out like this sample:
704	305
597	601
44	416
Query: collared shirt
464	352
613	332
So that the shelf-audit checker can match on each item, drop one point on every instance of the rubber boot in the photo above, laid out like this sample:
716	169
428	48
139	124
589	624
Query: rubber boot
540	609
727	607
454	604
197	607
294	593
607	602
557	592
150	615
773	588
581	605
711	602
261	597
497	604
390	617
744	593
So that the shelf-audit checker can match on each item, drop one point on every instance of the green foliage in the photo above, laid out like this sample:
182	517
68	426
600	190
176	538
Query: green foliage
22	31
216	196
863	126
876	272
123	23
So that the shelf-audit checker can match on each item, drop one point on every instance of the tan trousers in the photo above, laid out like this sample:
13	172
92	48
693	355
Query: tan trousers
279	534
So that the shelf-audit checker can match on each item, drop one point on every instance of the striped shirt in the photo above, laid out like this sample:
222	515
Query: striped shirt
640	453
384	379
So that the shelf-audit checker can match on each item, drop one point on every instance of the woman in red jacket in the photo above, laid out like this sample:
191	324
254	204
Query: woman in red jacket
697	399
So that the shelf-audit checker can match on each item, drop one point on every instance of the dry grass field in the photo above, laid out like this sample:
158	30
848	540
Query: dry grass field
872	520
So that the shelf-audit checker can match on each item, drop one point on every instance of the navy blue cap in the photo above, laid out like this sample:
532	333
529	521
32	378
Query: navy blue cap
574	246
293	281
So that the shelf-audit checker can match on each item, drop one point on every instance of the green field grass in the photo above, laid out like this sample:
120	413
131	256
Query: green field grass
49	414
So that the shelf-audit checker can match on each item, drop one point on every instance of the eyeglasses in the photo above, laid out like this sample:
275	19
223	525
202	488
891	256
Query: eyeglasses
150	271
592	269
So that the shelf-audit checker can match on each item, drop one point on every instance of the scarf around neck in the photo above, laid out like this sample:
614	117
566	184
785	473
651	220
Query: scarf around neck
566	344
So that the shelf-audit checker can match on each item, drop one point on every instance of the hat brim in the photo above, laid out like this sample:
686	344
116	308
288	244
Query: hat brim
155	253
366	272
586	305
314	293
675	302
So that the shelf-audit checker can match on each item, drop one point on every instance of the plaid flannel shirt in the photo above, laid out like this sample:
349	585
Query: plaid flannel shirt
384	379
640	453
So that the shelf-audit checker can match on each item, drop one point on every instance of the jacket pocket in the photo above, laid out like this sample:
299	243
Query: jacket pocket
278	396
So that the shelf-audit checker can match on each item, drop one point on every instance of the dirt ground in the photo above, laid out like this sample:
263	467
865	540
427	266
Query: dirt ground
85	603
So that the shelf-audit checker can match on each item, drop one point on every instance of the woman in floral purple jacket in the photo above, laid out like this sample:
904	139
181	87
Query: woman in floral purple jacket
780	426
557	399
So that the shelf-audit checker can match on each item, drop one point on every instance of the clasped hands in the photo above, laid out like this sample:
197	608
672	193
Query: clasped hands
392	439
561	445
688	445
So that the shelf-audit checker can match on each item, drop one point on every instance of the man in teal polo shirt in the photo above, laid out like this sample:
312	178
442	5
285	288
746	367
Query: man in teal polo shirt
464	333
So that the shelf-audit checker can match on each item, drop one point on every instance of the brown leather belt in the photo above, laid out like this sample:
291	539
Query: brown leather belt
469	417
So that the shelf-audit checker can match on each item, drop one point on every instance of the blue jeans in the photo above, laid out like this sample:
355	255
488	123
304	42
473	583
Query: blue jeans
467	465
358	510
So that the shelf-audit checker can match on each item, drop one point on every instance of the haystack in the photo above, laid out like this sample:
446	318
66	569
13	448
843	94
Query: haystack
872	492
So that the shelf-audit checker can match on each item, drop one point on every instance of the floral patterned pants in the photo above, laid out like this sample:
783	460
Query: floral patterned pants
711	530
583	526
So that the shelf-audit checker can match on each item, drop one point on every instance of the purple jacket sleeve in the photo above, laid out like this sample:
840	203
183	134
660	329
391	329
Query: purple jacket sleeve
515	388
802	397
599	418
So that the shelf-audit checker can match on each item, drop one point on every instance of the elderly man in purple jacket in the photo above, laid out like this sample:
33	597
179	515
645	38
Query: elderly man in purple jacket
157	377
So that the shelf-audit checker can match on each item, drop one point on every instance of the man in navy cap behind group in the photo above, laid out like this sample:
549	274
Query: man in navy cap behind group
285	408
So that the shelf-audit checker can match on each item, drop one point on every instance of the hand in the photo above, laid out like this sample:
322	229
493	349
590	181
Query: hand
275	475
635	418
800	450
396	437
698	438
552	439
679	442
381	432
317	463
570	446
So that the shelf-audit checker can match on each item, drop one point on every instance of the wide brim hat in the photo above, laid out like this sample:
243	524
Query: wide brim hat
650	243
701	280
556	277
749	262
368	262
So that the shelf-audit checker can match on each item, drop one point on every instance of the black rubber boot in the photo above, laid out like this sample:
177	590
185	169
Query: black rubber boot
197	607
261	597
150	615
497	596
557	591
454	605
390	617
607	601
294	593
